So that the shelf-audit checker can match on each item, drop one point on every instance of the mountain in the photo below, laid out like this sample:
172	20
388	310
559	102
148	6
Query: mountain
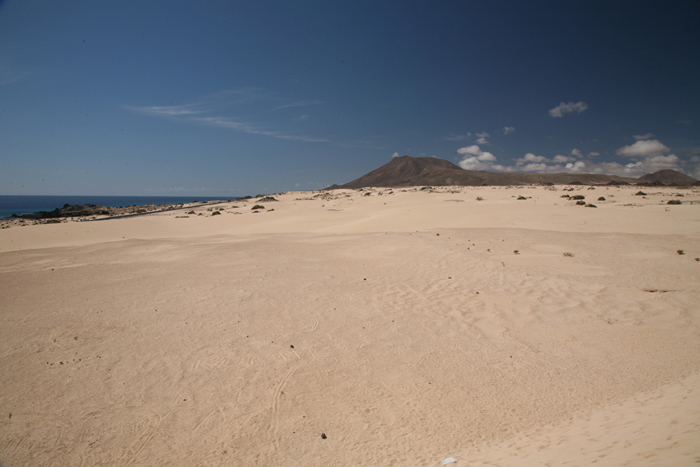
667	177
426	171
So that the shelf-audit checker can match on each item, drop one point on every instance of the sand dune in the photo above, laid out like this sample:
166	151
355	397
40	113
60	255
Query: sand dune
401	325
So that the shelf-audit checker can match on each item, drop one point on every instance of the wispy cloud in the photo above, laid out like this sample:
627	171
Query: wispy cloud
246	128
454	137
9	75
212	110
482	138
564	108
296	104
645	136
165	111
508	129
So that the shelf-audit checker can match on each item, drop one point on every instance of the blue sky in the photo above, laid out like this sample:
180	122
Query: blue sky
233	98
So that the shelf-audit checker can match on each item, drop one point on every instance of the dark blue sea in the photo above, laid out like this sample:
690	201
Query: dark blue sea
29	204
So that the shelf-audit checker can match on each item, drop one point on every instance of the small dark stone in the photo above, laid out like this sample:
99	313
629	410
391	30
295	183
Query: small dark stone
323	436
602	198
291	346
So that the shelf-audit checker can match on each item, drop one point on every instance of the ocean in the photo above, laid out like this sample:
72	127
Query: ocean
29	204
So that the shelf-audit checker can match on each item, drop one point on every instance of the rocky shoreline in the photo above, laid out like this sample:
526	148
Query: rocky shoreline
87	212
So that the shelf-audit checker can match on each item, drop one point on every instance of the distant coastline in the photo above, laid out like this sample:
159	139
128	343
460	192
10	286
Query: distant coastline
29	204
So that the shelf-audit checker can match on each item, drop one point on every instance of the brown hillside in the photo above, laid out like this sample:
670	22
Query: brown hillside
424	171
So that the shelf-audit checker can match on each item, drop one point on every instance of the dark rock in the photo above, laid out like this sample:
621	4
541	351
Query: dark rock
674	201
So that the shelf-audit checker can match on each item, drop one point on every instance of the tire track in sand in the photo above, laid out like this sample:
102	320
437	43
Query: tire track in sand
273	430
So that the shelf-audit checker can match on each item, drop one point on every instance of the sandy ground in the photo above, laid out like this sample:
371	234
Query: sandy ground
406	327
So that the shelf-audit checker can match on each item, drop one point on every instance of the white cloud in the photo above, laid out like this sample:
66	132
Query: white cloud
593	154
482	138
529	157
473	149
475	158
396	154
643	148
560	159
646	136
564	108
576	152
631	170
508	129
576	166
472	163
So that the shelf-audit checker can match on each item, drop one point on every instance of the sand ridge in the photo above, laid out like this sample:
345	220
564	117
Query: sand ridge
406	332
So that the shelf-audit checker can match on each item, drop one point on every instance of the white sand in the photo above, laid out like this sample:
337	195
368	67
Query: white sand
417	333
